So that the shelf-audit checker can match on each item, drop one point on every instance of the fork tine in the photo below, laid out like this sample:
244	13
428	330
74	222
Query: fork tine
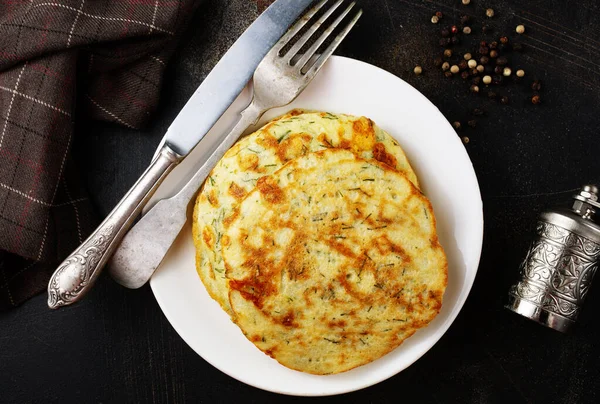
314	47
314	69
287	37
311	31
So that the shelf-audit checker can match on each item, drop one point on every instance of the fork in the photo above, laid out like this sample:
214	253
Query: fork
279	79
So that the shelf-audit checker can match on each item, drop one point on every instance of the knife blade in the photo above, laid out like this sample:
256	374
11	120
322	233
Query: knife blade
76	275
225	82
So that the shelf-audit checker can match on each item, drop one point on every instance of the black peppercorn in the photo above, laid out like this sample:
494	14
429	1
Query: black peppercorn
498	69
464	20
476	80
501	61
484	50
437	62
472	123
455	40
517	46
439	14
448	73
492	95
445	42
464	75
504	40
456	125
497	80
477	112
463	65
504	100
536	85
536	99
484	60
493	45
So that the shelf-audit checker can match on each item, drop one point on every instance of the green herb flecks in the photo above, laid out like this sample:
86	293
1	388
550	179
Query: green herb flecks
283	136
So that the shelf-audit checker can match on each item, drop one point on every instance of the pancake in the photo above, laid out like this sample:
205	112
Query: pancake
264	152
332	262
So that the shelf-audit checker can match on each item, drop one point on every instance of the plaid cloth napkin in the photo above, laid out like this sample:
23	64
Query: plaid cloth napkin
61	60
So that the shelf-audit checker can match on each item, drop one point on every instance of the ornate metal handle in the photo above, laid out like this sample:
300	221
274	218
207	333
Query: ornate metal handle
78	272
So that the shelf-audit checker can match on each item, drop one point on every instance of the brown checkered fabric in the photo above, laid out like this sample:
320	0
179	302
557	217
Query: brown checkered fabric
114	54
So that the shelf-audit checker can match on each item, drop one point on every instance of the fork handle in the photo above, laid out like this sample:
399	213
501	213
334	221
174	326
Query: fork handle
145	245
78	272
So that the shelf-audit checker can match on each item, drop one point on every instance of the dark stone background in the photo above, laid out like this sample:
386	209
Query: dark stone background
116	346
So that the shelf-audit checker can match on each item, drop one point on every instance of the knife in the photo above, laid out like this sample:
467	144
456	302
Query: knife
77	273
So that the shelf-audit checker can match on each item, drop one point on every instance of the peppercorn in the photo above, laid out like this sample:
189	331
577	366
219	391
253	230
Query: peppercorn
463	65
455	40
518	47
493	53
506	72
447	74
536	99
487	79
464	75
498	69
474	88
483	43
418	70
520	73
486	29
492	95
489	13
484	50
484	60
454	69
502	61
497	80
520	29
466	139
445	41
467	56
456	125
454	29
466	2
504	100
448	53
439	14
474	72
464	20
472	123
476	80
480	68
467	30
472	63
445	66
493	45
435	19
536	85
477	112
445	32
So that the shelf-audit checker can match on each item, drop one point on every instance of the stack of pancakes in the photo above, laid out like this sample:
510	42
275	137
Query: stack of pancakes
313	236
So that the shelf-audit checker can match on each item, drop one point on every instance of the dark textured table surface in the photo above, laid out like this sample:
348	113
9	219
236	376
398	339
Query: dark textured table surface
116	346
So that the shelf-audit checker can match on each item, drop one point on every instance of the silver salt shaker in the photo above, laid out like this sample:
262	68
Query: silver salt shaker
560	265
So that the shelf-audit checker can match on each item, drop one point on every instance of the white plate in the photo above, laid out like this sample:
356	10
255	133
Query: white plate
447	177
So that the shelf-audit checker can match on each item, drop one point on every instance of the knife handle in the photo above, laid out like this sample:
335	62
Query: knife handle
78	272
